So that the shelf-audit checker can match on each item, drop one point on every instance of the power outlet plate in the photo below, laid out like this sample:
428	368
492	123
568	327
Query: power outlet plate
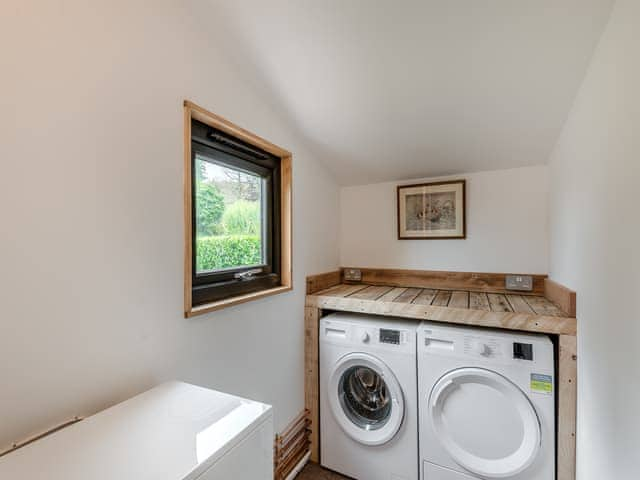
352	275
522	283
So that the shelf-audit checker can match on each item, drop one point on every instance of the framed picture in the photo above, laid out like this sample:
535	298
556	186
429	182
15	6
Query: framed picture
431	211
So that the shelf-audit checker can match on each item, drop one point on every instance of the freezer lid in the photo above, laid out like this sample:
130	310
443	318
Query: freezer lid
174	432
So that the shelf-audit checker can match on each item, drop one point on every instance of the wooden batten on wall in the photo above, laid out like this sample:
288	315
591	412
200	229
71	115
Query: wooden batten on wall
323	281
472	281
563	297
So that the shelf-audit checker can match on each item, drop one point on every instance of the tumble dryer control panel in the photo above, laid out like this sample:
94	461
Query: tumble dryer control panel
487	345
483	346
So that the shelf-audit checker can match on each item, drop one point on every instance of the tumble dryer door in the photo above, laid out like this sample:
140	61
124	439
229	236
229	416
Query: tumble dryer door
484	422
366	399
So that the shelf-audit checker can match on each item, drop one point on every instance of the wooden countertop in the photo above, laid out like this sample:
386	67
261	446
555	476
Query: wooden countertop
531	313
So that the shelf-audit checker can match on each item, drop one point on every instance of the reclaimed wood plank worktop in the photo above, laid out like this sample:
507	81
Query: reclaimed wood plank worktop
530	313
476	299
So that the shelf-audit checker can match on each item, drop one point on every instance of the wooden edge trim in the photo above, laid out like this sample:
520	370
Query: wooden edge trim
286	220
210	118
211	307
322	281
471	281
562	296
39	436
193	111
188	228
567	398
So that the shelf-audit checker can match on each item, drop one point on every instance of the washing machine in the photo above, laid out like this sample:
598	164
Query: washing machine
368	397
486	404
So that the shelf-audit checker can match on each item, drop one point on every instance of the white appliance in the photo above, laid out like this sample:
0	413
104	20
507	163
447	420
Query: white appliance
175	431
368	396
486	404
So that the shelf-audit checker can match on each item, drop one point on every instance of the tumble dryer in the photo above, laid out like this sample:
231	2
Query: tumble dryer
368	396
486	404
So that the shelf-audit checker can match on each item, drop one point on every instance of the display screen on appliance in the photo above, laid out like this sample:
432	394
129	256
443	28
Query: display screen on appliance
390	336
523	351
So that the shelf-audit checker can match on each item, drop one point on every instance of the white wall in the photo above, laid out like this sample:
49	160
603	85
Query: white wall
595	234
91	207
507	227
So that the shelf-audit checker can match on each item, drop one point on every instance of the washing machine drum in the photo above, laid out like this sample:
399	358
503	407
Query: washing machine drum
366	399
485	422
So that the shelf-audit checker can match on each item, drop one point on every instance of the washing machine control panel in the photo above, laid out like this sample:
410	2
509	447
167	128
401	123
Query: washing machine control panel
390	336
365	335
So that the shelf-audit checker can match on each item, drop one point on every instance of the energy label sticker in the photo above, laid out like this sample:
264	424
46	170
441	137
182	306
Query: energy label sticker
541	383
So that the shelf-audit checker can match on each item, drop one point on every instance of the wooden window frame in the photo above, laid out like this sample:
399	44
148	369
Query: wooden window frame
214	146
194	112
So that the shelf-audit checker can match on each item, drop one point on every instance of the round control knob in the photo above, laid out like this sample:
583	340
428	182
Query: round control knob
483	349
365	337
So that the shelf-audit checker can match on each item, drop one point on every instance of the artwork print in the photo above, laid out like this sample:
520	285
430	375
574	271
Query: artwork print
433	210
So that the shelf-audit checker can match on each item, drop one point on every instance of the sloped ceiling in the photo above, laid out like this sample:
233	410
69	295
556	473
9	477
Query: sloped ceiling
389	90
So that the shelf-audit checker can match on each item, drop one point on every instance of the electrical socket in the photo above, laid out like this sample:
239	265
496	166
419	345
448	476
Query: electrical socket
352	274
519	282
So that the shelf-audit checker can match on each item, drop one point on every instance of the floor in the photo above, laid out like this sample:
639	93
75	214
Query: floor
314	472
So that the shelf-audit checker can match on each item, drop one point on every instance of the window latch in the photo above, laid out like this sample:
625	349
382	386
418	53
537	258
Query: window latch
247	274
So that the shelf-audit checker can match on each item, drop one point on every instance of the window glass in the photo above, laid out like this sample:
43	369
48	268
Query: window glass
229	213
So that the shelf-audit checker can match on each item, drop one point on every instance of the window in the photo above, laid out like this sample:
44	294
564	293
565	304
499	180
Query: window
238	206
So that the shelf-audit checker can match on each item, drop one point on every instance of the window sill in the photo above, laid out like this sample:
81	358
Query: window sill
228	302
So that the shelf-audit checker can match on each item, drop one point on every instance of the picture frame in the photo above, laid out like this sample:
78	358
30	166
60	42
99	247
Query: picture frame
432	211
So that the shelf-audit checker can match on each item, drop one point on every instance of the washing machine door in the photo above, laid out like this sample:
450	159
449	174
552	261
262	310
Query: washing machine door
484	422
366	399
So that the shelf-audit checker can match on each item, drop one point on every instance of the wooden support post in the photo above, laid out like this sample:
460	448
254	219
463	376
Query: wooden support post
567	395
312	378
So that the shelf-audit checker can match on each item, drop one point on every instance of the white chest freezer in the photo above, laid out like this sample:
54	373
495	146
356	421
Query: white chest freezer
175	431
